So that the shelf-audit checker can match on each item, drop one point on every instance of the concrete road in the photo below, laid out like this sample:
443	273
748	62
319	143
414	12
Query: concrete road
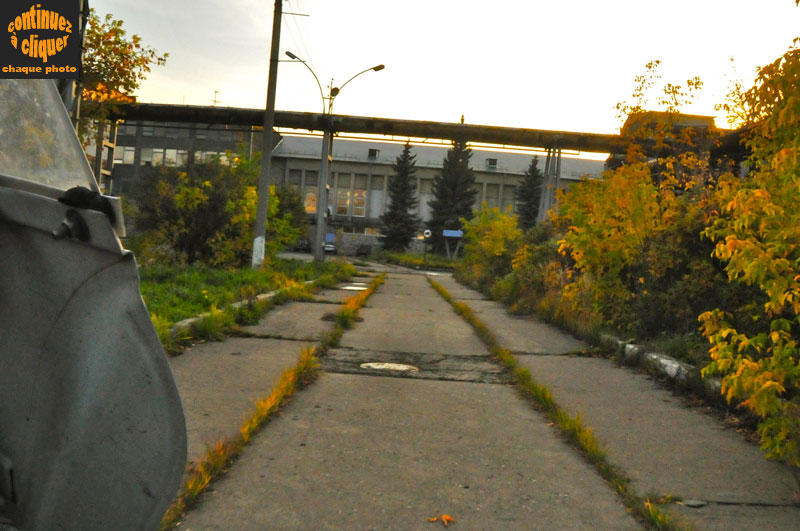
442	431
661	443
376	449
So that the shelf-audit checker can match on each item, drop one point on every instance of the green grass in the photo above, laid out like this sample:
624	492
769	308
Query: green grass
691	348
416	261
174	293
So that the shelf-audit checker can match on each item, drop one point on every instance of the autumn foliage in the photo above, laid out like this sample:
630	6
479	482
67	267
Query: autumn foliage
114	65
674	234
204	213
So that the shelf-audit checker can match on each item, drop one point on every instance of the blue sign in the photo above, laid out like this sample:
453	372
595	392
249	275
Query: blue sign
452	233
329	237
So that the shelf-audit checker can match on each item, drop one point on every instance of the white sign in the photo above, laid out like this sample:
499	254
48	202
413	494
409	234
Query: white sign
427	234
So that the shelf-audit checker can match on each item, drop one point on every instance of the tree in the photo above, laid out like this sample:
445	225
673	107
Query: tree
756	234
399	224
291	207
454	193
113	68
205	213
529	194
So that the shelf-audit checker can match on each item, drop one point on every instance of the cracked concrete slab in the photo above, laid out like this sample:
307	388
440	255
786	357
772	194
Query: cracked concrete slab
295	320
218	383
476	369
663	446
333	295
521	334
716	517
354	452
458	291
406	315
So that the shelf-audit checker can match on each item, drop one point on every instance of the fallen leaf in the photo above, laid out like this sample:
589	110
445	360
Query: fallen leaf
432	519
447	519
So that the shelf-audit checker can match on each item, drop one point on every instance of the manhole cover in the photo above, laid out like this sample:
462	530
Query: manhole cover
389	367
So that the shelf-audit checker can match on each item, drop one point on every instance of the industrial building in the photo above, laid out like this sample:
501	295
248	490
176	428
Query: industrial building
359	172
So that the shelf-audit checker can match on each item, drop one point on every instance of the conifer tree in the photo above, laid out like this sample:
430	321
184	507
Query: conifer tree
399	224
528	195
453	193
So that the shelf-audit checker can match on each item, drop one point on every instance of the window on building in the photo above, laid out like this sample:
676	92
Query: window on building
426	186
372	154
147	129
200	131
310	195
491	164
293	179
343	194
374	231
360	203
127	155
170	157
360	195
126	128
492	195
146	157
183	157
158	156
175	130
509	197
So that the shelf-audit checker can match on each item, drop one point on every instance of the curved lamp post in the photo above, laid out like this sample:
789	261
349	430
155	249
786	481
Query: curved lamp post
327	151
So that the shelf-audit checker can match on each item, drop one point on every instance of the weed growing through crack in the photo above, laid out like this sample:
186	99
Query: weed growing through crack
571	426
220	456
214	326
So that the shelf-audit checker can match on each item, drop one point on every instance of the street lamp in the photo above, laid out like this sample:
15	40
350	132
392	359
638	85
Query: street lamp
327	151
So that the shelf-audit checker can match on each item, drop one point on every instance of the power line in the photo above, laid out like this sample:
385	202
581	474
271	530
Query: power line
302	46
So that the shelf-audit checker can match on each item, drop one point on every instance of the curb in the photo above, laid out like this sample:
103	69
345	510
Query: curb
678	373
184	325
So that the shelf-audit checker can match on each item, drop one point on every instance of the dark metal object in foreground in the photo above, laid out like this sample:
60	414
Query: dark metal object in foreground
92	433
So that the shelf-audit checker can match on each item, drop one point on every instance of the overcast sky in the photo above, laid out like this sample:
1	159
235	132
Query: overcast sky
559	65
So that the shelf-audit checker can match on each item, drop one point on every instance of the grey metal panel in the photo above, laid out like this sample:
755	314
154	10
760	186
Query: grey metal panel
90	418
37	140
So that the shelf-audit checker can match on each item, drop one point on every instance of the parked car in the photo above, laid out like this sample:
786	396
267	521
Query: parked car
329	248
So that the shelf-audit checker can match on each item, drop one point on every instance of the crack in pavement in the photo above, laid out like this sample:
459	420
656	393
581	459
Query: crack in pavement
576	354
245	334
449	367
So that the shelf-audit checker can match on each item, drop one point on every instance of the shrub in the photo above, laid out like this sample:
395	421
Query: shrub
205	212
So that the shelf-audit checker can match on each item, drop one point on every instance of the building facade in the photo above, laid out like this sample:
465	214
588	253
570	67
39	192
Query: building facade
359	172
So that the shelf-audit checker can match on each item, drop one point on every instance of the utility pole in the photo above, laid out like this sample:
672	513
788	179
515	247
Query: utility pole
260	230
322	191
